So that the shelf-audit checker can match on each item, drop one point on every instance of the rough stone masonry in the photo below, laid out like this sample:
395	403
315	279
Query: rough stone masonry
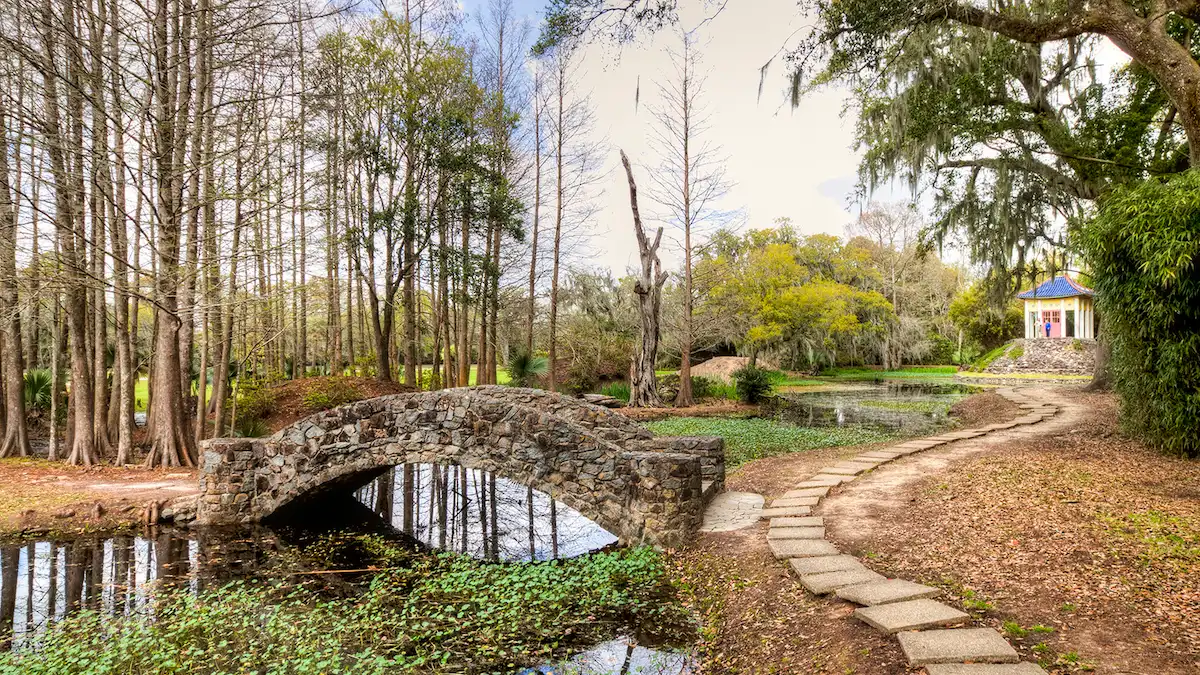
642	488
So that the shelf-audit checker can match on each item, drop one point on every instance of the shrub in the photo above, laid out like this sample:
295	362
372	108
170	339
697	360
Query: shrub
254	399
617	390
1143	246
753	383
524	368
324	394
38	387
703	387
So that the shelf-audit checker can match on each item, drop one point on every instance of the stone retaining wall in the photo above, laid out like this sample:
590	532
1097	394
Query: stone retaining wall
640	488
1061	356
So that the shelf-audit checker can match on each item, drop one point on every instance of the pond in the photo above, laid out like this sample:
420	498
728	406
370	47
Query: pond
907	407
399	526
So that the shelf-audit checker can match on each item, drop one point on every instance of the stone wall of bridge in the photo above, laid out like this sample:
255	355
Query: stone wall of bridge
641	488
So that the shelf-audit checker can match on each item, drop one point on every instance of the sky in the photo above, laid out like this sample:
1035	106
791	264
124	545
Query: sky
796	163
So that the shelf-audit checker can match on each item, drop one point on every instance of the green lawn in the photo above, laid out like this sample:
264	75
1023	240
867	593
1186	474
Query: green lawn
748	439
869	374
502	376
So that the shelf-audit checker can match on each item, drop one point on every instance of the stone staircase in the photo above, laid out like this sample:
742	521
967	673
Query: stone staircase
927	629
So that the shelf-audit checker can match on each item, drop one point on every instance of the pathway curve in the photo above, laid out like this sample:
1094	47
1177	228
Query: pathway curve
925	627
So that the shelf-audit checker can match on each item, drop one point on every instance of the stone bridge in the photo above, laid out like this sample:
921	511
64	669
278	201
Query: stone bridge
642	488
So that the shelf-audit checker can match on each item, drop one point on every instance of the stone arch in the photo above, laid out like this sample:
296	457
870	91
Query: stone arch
596	461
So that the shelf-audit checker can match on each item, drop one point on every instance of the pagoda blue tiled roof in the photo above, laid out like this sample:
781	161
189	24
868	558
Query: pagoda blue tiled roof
1061	286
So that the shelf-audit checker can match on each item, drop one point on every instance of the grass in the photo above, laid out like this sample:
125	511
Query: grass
1029	376
748	439
869	374
617	390
800	382
502	376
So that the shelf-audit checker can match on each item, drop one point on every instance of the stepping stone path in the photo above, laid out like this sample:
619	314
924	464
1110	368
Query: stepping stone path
894	606
732	511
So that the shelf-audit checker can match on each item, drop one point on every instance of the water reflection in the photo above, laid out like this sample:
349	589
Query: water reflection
43	582
479	514
893	406
426	506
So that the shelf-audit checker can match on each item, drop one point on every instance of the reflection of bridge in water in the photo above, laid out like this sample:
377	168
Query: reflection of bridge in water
600	463
480	514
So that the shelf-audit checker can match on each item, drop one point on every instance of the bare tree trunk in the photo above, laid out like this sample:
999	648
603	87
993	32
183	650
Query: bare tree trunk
15	441
537	210
648	287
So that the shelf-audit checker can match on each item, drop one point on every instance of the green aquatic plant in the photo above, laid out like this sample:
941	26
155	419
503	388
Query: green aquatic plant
433	613
748	439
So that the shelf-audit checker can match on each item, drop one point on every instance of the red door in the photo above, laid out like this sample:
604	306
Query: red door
1054	318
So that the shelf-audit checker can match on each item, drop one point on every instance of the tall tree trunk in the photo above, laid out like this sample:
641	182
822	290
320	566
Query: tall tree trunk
15	441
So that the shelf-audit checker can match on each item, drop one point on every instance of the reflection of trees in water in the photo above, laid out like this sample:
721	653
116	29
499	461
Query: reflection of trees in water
480	514
43	582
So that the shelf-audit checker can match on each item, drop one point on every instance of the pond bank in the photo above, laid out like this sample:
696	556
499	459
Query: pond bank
38	496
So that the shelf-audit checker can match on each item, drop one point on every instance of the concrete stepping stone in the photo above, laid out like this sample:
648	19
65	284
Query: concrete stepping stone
809	521
821	480
841	471
806	492
831	477
797	501
1025	668
796	533
922	444
801	548
824	583
785	511
885	592
955	645
880	455
860	464
826	563
910	615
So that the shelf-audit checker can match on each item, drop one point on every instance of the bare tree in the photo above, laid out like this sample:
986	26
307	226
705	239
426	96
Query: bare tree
643	386
689	179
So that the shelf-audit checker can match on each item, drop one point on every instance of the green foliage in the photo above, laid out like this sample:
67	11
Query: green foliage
329	392
255	400
524	368
252	427
804	297
1143	247
1016	352
38	389
753	384
986	360
981	322
753	438
442	613
617	390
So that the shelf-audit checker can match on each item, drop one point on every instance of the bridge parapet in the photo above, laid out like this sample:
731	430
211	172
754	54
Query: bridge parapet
640	488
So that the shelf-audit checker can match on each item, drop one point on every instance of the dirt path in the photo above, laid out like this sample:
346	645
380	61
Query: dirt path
38	496
1082	546
757	618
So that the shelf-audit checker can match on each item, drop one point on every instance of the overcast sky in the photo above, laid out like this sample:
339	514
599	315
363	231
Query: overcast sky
795	163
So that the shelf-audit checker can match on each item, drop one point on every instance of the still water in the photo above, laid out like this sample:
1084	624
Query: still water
429	507
915	407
